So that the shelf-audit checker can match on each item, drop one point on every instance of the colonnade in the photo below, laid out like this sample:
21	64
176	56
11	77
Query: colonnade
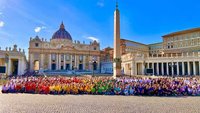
174	67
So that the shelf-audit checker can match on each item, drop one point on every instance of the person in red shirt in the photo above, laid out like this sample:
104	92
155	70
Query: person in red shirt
18	87
33	87
46	90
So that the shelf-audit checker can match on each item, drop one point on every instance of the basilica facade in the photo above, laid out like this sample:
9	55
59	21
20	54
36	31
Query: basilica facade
62	53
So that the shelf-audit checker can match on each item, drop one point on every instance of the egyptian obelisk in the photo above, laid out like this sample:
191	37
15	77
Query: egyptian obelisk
116	55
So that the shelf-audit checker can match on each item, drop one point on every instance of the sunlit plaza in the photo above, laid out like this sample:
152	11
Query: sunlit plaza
64	66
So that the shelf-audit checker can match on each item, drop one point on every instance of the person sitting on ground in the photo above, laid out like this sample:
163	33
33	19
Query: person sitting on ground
4	89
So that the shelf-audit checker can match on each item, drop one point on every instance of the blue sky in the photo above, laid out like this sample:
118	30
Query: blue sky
143	21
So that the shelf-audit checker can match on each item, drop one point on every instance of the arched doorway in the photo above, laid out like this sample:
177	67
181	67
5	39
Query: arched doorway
80	66
14	67
95	65
36	65
53	66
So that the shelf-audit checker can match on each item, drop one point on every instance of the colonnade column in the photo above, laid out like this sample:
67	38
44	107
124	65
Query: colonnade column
194	68
172	68
143	67
167	63
199	67
162	68
132	68
188	65
9	67
19	67
183	68
157	68
153	67
177	68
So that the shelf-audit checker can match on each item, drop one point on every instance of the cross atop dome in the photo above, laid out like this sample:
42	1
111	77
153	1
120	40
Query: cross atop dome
62	26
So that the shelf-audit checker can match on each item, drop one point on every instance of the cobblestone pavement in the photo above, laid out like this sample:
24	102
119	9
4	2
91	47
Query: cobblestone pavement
29	103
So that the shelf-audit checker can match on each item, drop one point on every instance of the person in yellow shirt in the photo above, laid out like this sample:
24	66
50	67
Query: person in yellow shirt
64	88
75	89
52	87
68	89
88	88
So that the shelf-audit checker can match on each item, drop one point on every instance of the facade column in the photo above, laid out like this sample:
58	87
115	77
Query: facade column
188	64
148	65
162	68
167	63
194	68
57	62
64	62
41	65
83	62
98	62
183	68
177	68
49	62
75	61
157	68
71	63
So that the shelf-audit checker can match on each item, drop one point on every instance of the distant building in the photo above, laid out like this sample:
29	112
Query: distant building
13	61
107	60
178	54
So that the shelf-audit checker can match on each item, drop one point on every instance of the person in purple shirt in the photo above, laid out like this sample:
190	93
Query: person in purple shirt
4	89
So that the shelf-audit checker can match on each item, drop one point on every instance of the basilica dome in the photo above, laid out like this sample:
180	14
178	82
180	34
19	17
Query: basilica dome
62	33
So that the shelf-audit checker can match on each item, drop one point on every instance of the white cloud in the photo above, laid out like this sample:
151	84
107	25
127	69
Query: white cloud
38	29
1	23
100	3
93	38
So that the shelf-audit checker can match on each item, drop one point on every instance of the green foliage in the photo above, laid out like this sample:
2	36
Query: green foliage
117	60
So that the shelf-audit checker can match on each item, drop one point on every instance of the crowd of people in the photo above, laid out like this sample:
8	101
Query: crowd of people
142	86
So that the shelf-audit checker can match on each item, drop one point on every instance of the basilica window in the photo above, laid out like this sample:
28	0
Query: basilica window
94	57
53	57
95	48
62	57
81	57
73	57
36	45
67	57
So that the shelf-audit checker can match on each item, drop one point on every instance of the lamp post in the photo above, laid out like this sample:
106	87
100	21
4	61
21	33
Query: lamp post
93	64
